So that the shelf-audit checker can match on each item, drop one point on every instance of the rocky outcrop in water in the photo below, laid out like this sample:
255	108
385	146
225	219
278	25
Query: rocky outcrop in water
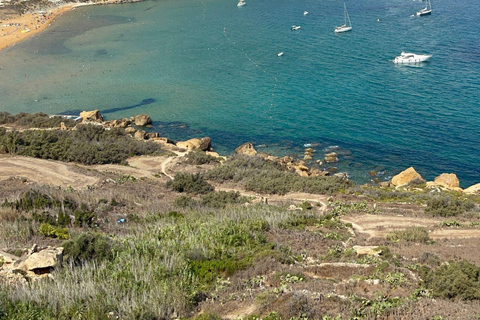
247	149
93	115
143	120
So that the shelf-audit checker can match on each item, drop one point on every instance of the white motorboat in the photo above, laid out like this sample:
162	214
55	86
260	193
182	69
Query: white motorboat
295	28
406	58
305	13
280	54
347	26
425	11
241	3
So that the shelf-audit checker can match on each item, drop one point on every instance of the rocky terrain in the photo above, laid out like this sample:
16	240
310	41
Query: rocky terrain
181	232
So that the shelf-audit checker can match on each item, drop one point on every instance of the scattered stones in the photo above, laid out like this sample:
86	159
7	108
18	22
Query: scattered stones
407	177
331	157
247	149
385	184
93	115
341	175
142	120
314	172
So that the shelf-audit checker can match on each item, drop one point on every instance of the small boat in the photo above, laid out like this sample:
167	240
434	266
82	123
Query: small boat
295	28
280	54
347	26
241	3
305	13
425	11
408	58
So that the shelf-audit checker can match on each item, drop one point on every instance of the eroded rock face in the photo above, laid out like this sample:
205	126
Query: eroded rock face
407	177
204	144
475	189
143	120
44	259
246	148
447	180
93	115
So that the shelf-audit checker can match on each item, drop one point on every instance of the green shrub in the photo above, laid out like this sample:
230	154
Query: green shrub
199	157
306	205
455	279
185	202
84	217
413	234
221	199
50	231
190	183
89	246
89	144
447	206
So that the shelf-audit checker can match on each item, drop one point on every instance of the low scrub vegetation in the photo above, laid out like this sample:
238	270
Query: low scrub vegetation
89	144
34	120
190	183
448	206
455	279
259	175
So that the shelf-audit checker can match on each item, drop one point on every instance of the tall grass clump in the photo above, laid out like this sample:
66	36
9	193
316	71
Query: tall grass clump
190	183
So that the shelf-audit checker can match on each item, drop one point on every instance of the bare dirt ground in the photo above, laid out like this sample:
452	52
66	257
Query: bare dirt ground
45	172
380	225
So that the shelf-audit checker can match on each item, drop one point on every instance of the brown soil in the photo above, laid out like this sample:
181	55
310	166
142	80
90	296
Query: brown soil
44	172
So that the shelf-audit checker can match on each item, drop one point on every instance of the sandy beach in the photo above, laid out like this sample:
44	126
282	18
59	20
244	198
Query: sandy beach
18	29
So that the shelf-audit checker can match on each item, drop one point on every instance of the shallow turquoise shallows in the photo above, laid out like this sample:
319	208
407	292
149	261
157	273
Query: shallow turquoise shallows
209	68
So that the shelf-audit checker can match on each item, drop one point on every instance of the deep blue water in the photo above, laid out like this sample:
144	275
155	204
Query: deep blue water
214	67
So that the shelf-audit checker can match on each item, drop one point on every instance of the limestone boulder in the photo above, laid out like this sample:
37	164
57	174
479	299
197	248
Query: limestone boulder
130	130
63	127
407	177
93	115
45	259
367	250
247	149
447	180
204	144
143	120
307	157
475	189
140	135
331	157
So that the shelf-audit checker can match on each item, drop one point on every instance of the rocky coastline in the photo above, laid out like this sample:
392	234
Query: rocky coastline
135	126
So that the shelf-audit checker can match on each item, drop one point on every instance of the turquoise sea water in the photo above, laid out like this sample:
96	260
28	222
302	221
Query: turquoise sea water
213	67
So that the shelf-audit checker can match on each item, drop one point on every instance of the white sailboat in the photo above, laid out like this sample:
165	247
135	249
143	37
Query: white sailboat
426	10
241	3
347	26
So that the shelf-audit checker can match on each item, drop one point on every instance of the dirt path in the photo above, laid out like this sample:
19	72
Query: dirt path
45	172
